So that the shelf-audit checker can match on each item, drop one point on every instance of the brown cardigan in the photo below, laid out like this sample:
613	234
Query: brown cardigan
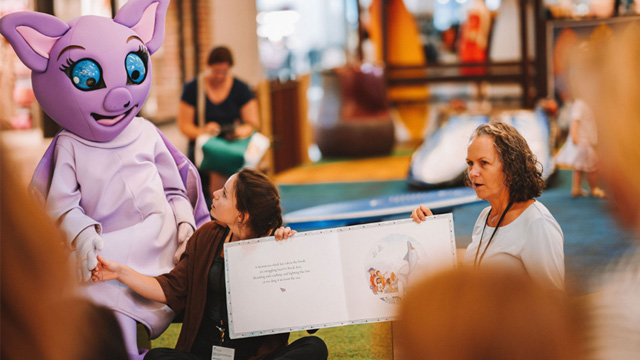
185	288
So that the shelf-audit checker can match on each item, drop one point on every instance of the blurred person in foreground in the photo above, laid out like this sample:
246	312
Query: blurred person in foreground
487	313
40	315
611	84
516	231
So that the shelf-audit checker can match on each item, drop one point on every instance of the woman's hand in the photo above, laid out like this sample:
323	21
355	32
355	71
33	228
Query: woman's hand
243	131
420	214
284	233
144	285
212	128
105	270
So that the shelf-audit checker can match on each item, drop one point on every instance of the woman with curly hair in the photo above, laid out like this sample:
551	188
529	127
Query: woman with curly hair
515	231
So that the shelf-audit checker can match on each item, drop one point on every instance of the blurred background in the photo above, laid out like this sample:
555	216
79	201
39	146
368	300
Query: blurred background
292	46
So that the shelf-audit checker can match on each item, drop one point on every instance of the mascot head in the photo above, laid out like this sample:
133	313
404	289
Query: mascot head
93	74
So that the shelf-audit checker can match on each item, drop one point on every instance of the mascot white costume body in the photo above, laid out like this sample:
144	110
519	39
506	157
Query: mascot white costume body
110	179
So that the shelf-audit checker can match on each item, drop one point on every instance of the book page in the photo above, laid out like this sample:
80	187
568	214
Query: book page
277	286
383	261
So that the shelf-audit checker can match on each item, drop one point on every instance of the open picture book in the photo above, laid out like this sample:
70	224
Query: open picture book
332	277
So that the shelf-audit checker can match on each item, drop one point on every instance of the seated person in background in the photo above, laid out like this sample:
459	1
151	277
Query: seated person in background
487	313
515	231
248	206
227	108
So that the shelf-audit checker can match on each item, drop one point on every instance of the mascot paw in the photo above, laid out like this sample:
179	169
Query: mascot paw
87	244
185	230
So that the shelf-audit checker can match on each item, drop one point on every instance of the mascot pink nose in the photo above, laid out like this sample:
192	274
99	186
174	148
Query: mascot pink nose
117	99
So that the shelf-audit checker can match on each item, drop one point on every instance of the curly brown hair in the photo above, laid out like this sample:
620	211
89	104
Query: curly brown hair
522	170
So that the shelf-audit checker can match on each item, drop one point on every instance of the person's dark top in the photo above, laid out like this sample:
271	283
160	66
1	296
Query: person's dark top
215	319
223	113
195	286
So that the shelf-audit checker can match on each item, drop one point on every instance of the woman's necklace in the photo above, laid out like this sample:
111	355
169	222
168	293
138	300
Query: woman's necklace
477	262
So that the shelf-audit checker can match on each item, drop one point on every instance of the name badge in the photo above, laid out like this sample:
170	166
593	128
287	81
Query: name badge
222	353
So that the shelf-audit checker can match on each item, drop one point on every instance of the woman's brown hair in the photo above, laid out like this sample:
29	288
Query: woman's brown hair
220	54
522	170
257	196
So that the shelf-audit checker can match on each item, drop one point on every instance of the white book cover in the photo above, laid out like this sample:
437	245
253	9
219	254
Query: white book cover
333	277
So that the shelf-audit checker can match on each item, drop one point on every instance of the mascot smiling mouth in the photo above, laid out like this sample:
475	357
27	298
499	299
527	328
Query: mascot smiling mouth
111	120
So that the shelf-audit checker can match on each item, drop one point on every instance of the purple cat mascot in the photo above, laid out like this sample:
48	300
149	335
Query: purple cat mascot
110	179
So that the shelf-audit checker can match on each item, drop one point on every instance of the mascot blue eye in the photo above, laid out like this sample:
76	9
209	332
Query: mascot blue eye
86	75
136	68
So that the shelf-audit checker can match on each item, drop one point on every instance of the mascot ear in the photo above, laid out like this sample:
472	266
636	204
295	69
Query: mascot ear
146	18
32	35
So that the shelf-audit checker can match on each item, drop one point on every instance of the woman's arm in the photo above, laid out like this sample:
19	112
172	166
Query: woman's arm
144	285
186	113
250	119
543	253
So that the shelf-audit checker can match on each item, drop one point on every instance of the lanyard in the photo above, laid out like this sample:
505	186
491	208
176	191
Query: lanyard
222	331
477	262
221	328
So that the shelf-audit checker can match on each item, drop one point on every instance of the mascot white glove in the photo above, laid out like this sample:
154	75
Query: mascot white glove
86	245
185	230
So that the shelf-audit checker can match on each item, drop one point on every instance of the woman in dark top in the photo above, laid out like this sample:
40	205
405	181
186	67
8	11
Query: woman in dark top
248	206
230	108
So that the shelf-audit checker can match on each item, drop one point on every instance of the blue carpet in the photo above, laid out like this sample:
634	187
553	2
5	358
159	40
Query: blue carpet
592	237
